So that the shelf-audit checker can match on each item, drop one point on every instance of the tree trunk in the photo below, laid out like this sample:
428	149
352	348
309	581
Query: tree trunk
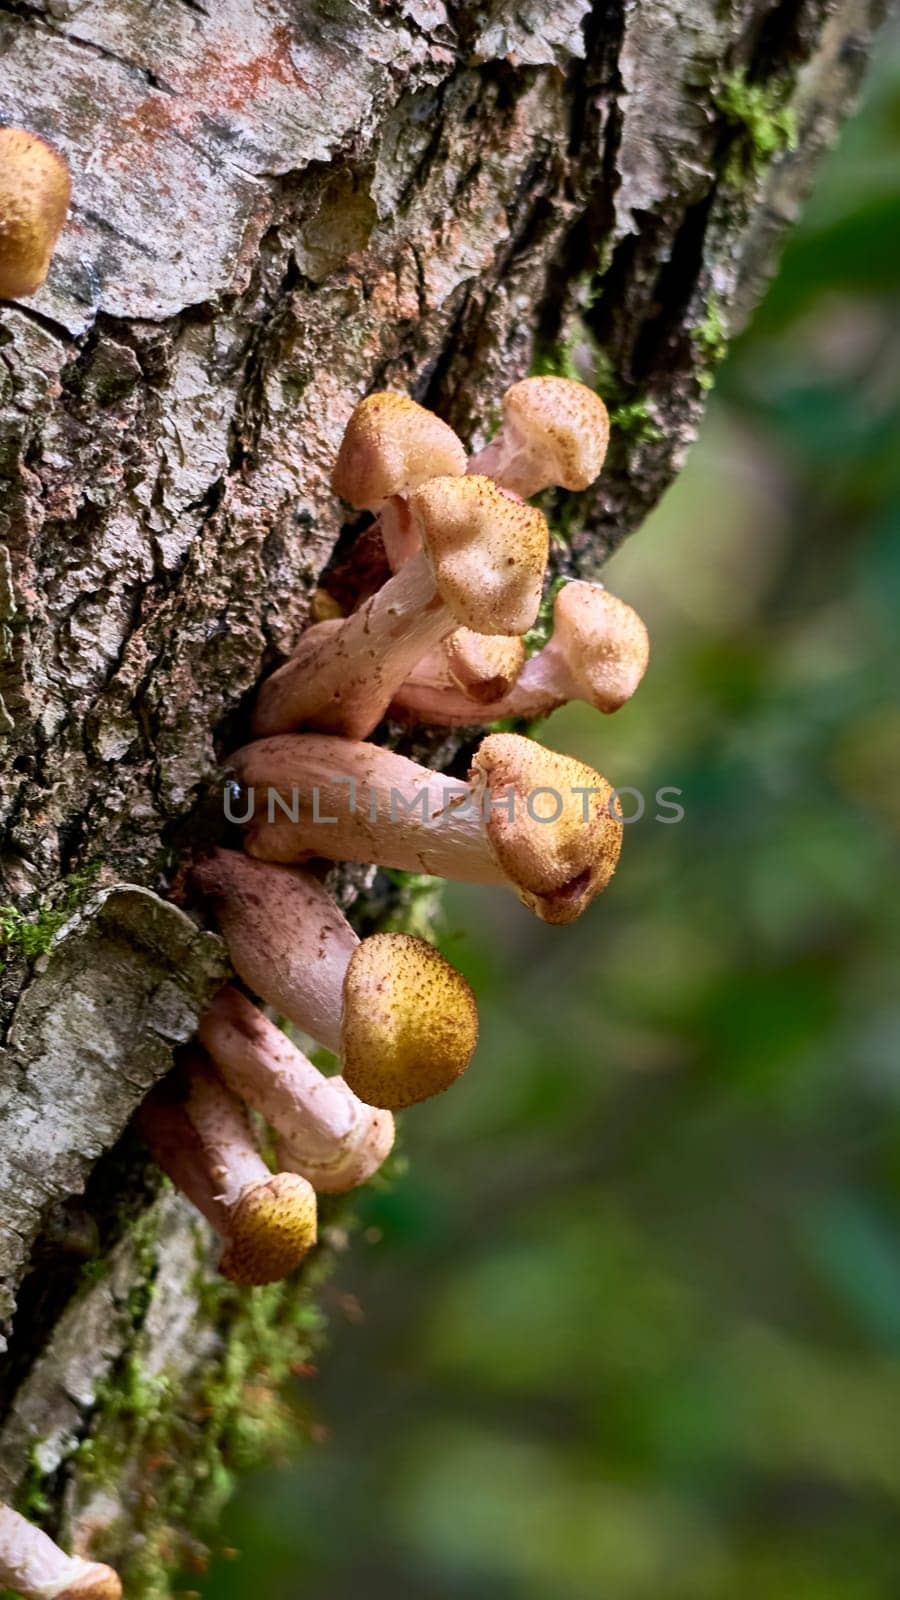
277	207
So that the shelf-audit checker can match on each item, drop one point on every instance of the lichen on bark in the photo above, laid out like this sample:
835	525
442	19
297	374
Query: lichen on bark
277	208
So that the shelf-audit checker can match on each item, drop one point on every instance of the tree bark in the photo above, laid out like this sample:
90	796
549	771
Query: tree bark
277	207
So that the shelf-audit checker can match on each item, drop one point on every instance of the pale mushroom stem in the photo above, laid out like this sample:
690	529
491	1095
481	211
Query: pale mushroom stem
235	1164
343	676
508	459
351	801
542	685
33	1566
326	1132
286	937
265	1068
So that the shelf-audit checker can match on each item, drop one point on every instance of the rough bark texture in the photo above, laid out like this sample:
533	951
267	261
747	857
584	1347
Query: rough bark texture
279	206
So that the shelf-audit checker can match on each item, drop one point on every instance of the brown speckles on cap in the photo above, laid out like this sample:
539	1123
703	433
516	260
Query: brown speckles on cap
410	1021
270	1230
557	866
566	428
488	551
35	189
484	666
603	641
98	1583
390	445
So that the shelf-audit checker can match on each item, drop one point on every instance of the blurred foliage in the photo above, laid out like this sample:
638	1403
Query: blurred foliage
633	1318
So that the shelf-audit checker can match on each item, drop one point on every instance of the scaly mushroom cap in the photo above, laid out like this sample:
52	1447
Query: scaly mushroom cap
560	863
35	189
603	641
488	551
564	423
98	1583
410	1021
270	1230
485	666
390	445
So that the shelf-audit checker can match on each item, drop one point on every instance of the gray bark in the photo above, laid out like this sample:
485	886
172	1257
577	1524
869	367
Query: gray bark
278	206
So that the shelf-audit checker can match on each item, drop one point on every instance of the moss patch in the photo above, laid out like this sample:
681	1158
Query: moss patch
761	125
710	341
31	933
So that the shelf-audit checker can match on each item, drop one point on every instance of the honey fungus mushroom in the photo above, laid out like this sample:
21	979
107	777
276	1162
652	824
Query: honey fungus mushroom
35	189
481	566
198	1133
598	653
538	822
325	1132
401	1019
554	434
33	1566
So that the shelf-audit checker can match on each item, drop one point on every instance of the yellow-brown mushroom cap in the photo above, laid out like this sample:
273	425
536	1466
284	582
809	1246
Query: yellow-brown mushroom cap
485	666
270	1230
565	422
488	551
98	1583
390	445
35	189
605	643
557	846
410	1021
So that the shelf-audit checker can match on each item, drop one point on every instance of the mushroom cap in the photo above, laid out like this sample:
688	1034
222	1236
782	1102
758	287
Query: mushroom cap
485	666
99	1582
557	863
410	1021
488	551
604	642
390	445
270	1230
565	423
35	189
360	1157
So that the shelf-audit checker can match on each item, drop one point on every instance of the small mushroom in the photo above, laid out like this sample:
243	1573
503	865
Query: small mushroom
35	189
402	1020
481	567
325	1133
33	1566
598	653
538	822
202	1140
554	435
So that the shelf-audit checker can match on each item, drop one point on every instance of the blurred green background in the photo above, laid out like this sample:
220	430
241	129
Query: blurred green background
630	1326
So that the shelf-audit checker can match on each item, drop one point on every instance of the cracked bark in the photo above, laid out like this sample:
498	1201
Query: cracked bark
279	206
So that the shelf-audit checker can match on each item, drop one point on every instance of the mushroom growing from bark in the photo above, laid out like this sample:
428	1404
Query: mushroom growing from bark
35	189
598	653
402	1020
202	1140
34	1567
481	567
538	822
325	1132
554	435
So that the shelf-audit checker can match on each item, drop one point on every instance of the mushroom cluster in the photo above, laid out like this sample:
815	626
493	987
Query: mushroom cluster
440	642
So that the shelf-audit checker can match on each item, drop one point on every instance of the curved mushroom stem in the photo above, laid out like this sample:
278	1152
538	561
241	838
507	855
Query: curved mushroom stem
34	1567
326	1133
481	566
598	653
344	673
400	1017
538	822
203	1142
